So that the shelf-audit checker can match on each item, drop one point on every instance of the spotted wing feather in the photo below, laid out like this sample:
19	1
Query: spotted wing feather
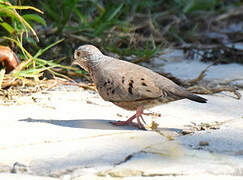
132	84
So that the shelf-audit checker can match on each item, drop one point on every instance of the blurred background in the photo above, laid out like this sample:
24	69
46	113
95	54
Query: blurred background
47	32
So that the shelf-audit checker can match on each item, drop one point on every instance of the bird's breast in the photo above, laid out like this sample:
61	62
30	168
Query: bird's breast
133	105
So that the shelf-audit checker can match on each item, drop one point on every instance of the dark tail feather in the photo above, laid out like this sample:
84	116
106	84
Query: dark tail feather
196	98
186	94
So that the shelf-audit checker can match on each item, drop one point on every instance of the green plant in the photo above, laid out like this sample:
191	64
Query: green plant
75	16
17	28
34	65
189	6
59	12
15	24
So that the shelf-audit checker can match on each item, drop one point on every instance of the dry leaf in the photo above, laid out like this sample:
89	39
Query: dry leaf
8	58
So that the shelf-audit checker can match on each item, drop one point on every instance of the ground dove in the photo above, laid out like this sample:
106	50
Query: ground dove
128	85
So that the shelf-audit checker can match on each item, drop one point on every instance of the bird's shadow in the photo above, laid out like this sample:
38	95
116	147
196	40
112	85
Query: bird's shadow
100	124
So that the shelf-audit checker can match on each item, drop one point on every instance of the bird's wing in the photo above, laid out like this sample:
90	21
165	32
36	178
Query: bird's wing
124	81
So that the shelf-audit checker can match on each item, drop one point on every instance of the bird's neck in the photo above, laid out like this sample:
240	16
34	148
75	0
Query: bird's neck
93	68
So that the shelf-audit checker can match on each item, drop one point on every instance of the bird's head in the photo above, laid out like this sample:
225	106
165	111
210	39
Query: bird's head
87	56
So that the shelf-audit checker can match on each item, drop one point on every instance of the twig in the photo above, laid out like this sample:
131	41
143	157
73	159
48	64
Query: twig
201	75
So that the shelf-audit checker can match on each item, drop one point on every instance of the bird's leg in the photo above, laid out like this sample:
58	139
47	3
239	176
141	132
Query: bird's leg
138	115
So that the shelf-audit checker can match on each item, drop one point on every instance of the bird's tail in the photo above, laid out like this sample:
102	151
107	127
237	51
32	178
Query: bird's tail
196	98
186	94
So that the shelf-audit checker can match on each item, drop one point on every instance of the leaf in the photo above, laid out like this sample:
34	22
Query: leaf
115	12
34	17
13	14
105	19
32	72
8	58
25	7
51	12
196	5
8	27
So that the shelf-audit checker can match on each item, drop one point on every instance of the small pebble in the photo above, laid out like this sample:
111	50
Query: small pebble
203	143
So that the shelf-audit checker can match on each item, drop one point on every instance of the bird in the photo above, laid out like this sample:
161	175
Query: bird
128	85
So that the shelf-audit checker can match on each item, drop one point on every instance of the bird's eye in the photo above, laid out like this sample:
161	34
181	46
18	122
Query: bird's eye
78	53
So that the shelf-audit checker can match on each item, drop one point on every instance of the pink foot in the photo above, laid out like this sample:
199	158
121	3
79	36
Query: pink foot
124	123
127	122
138	115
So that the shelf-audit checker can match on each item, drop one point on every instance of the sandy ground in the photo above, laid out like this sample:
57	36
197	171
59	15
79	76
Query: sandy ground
65	133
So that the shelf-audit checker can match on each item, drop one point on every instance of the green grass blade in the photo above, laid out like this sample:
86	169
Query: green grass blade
32	72
115	12
19	44
8	27
51	12
34	17
50	63
41	51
